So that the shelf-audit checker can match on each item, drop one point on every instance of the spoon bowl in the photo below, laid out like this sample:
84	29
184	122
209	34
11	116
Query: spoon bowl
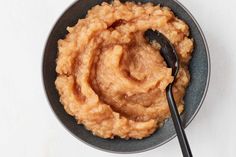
167	51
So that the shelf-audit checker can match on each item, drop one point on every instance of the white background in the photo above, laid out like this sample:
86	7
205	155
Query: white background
28	128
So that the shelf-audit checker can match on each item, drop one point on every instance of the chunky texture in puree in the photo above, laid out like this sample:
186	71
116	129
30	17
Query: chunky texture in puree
111	79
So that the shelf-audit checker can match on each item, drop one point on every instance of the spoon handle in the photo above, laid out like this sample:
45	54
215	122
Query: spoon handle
177	123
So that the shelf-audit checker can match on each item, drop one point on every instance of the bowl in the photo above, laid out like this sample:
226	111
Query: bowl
199	69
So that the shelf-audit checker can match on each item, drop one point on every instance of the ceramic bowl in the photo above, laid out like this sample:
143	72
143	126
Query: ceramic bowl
195	93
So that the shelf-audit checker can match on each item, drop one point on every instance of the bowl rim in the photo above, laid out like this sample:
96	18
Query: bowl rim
168	139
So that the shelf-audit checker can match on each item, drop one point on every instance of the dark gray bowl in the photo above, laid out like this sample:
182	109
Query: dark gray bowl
199	69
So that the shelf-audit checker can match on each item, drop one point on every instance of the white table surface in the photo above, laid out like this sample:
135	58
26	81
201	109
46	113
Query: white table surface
28	128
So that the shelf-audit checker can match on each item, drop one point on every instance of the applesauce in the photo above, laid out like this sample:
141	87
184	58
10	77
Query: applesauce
111	79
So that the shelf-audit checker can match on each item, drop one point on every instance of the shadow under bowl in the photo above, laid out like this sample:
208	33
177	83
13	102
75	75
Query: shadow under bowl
195	93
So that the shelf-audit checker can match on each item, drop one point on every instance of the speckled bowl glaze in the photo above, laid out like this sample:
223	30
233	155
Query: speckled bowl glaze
195	94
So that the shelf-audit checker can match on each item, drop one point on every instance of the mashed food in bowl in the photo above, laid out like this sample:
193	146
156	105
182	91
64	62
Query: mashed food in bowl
111	79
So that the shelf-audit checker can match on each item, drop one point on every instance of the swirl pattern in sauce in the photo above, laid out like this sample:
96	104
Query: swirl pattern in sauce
111	79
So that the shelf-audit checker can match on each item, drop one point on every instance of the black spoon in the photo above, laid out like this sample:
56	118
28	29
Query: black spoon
170	56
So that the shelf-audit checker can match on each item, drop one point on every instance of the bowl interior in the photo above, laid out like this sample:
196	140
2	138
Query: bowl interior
199	69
